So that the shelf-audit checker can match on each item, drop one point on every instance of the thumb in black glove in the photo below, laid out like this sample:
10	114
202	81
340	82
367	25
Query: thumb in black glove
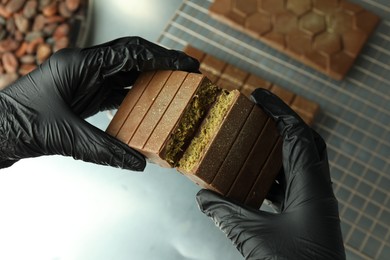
43	112
308	225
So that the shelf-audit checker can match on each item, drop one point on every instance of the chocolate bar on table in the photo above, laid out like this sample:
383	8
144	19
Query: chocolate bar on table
227	76
326	35
218	138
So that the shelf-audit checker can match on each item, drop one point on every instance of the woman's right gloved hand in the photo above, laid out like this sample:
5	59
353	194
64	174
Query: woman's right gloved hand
308	224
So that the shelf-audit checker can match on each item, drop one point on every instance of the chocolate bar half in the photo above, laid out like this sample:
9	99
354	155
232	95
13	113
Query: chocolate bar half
216	137
326	35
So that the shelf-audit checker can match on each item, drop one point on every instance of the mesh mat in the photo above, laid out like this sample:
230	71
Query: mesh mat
354	118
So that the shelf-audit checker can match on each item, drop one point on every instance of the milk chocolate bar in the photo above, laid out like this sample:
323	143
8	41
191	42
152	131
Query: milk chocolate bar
213	136
229	77
326	35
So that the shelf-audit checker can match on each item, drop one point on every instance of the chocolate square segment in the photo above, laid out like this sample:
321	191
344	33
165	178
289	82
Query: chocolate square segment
326	35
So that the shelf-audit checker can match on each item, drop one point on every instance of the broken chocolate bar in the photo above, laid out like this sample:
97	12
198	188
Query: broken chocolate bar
213	136
327	35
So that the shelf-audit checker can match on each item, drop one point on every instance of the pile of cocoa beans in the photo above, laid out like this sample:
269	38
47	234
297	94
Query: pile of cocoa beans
31	30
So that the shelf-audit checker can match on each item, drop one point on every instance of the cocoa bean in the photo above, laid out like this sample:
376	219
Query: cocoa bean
8	44
32	46
61	31
10	63
33	35
43	52
43	3
30	9
18	36
21	50
14	5
10	25
27	59
6	79
72	5
55	19
61	43
22	23
49	29
64	11
4	12
26	68
3	32
50	9
39	23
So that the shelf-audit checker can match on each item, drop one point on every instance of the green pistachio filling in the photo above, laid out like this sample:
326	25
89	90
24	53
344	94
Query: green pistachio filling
193	116
209	127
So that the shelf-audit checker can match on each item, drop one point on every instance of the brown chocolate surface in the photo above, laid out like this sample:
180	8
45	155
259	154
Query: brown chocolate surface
142	106
222	142
228	76
240	150
266	176
327	35
129	102
236	154
259	153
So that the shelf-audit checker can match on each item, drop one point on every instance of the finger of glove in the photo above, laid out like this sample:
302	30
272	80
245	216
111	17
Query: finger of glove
276	194
247	228
88	143
225	212
304	153
135	53
299	148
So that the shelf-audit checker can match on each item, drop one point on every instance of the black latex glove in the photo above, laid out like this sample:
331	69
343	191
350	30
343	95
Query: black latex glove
308	224
43	112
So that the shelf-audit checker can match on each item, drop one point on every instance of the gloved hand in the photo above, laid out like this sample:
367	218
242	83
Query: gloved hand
308	224
43	112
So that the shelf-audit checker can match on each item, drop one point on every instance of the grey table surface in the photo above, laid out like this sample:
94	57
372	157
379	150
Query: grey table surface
58	208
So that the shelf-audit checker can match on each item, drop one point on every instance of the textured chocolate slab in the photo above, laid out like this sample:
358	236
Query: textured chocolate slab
266	177
259	153
234	74
240	150
327	35
142	107
129	102
228	76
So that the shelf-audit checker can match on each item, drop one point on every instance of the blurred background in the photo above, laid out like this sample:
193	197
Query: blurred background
58	208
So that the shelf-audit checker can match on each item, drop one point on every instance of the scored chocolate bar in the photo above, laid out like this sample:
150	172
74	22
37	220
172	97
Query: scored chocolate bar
230	77
327	35
218	138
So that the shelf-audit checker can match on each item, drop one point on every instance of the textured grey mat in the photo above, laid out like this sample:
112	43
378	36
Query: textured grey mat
354	118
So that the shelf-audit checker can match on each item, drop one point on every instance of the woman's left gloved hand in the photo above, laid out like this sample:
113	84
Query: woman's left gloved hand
43	112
